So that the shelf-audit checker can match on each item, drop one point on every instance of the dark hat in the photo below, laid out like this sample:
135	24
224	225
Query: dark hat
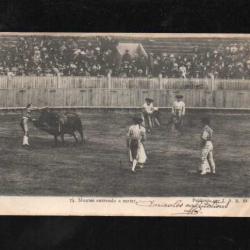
149	99
179	96
138	120
205	120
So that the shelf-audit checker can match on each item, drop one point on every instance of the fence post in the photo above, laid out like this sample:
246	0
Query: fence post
160	81
213	91
213	84
58	83
22	81
109	80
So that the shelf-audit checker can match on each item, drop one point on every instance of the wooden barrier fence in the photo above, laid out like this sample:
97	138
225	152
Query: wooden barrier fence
121	97
121	92
120	83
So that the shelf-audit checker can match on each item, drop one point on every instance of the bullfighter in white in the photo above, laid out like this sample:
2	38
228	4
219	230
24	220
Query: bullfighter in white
135	137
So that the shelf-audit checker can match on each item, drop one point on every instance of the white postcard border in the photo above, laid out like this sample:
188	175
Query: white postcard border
125	206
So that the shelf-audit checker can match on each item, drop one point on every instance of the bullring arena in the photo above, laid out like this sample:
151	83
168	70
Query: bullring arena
106	105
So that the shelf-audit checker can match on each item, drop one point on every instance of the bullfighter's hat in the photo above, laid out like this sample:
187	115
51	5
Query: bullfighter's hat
138	120
149	99
179	96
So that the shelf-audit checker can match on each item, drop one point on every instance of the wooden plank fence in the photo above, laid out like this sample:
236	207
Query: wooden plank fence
101	82
120	83
121	92
97	97
52	82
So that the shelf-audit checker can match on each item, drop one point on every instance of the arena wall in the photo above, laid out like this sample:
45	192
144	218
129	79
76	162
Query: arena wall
121	92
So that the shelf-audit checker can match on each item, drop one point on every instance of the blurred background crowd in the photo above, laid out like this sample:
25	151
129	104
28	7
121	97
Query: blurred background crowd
43	56
230	62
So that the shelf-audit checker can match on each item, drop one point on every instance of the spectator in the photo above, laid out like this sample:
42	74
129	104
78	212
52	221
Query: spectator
126	58
183	71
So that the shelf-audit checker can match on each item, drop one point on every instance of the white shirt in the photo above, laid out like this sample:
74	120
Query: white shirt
148	108
183	71
136	132
178	107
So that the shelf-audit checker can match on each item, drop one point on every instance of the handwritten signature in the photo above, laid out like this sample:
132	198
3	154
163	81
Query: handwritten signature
152	203
193	207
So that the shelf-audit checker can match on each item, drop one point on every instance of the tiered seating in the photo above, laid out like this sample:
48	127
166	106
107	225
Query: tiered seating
92	56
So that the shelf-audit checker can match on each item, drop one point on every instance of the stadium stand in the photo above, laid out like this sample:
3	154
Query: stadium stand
96	56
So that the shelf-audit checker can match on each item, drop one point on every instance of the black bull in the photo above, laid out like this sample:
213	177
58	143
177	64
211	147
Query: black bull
58	124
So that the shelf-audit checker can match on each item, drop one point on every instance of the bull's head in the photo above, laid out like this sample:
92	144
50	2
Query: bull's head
42	121
47	121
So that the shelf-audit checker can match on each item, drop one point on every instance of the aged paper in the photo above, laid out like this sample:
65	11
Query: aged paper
125	124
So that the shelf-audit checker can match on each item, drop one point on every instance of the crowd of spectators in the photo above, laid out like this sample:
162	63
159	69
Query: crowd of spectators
227	61
136	66
46	56
43	56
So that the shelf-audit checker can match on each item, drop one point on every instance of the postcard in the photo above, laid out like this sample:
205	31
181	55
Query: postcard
126	124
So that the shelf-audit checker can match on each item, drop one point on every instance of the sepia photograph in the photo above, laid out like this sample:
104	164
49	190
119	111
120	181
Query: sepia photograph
124	115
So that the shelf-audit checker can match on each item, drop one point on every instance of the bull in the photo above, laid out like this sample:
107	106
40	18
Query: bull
58	124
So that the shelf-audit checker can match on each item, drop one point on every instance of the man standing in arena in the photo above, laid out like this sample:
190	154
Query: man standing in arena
135	138
178	112
147	112
207	160
25	123
156	117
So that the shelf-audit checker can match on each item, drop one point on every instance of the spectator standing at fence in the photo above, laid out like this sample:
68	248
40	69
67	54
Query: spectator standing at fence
207	160
135	138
